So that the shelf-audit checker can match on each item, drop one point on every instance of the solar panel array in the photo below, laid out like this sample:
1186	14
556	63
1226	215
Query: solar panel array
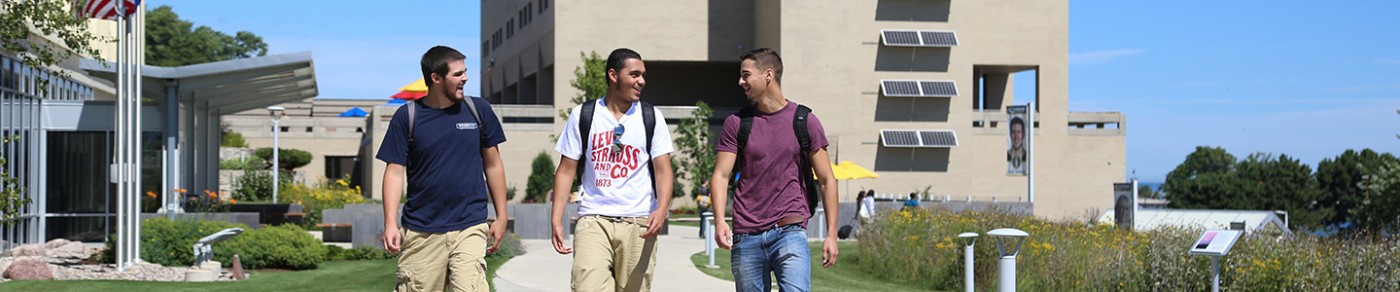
919	38
919	138
919	88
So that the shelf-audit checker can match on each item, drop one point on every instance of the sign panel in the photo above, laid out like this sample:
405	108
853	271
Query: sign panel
1016	140
1215	242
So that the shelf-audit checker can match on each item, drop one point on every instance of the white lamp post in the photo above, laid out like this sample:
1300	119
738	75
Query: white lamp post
968	239
1006	266
276	112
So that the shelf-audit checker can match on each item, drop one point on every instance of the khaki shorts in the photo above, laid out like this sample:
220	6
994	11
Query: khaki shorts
611	255
431	261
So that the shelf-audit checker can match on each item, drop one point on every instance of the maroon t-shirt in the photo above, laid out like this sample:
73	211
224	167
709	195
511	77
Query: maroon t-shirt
769	188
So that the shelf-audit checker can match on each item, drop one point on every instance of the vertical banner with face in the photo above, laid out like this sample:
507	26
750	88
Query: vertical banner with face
1016	140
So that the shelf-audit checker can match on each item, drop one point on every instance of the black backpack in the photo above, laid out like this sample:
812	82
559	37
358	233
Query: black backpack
804	141
585	122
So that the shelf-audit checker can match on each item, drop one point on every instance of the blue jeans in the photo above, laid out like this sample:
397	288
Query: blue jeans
781	251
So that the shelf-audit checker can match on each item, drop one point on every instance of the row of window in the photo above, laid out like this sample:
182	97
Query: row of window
26	80
285	129
526	15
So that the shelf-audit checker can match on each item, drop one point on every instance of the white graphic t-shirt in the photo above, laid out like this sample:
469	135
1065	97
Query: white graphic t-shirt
615	178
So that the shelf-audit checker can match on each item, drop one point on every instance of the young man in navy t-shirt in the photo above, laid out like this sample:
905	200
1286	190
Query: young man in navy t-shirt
450	156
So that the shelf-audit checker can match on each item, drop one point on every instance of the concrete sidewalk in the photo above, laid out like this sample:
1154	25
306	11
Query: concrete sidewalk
542	269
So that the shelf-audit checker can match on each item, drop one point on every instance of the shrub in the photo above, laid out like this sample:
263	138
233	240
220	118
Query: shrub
235	164
336	253
282	246
510	247
541	179
255	185
921	247
288	158
233	139
171	243
329	195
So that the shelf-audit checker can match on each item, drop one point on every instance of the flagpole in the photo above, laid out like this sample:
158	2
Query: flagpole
140	59
119	152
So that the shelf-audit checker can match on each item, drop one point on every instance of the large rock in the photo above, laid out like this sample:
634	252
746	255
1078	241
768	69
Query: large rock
29	270
72	250
29	250
55	243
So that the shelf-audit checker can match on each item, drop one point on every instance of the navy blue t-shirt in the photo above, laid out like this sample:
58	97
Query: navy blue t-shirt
446	180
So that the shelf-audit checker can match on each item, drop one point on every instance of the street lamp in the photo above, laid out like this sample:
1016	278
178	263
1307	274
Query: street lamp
276	112
1008	245
968	240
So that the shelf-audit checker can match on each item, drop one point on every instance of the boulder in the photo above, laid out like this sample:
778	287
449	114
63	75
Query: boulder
28	250
55	243
72	250
29	270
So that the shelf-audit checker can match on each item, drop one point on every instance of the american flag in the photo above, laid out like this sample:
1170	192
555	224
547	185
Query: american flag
104	9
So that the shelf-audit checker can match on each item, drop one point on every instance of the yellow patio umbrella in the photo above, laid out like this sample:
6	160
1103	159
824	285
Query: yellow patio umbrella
848	170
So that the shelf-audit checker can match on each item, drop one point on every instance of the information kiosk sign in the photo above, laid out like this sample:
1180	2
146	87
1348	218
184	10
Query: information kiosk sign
1215	242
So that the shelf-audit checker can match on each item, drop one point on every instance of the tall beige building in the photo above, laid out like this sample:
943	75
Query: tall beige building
915	90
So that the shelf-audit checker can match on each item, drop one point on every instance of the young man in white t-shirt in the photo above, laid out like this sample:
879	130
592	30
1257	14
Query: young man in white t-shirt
621	205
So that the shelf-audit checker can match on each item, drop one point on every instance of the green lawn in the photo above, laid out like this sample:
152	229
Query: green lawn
374	275
842	277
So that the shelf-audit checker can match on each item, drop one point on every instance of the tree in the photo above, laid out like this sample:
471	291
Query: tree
11	192
1378	212
1341	182
25	23
1198	181
591	80
172	42
541	179
693	138
287	158
1279	183
1145	191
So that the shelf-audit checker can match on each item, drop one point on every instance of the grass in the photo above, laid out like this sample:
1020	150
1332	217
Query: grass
844	276
370	275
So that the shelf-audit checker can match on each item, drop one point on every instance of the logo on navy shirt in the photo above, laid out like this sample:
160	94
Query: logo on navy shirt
466	126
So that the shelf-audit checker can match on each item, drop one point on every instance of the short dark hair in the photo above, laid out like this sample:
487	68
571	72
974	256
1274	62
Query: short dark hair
618	58
436	60
766	58
913	195
1018	121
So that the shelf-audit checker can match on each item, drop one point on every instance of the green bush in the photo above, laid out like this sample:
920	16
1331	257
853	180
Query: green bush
329	195
921	247
336	253
541	179
283	247
171	243
255	185
233	139
510	247
235	164
288	158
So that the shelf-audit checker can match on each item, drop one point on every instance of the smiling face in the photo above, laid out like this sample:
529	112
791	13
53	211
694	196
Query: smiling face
453	82
1018	135
629	81
753	80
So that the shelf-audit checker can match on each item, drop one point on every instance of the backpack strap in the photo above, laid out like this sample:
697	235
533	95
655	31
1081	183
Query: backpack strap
804	142
585	124
745	126
649	121
412	110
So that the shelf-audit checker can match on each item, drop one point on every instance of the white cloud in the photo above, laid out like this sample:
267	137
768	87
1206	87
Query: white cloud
1103	56
1388	61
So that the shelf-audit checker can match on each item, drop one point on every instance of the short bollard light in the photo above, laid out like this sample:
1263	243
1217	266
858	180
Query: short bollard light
968	239
1006	266
705	222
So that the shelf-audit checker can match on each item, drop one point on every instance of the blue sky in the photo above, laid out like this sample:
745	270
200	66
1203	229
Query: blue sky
1305	79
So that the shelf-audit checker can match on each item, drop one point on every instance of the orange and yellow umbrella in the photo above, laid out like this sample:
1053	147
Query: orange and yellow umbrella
417	89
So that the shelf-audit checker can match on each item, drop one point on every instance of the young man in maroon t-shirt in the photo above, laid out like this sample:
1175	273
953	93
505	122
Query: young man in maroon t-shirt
769	236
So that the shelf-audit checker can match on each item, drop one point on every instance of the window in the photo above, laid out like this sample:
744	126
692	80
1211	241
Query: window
544	4
308	129
486	47
510	28
496	39
339	167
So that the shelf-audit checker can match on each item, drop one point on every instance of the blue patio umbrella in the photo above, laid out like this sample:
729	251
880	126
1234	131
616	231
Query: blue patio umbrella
354	112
